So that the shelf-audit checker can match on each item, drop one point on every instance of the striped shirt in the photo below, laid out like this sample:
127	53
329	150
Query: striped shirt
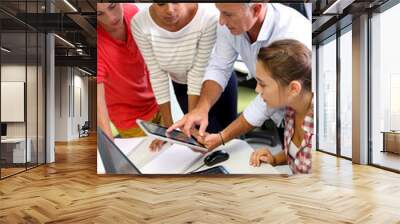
181	55
301	163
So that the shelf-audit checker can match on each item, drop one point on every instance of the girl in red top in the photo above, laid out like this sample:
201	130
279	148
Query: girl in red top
284	81
124	92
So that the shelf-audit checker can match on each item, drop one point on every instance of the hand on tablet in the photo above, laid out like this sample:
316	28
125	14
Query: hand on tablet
156	145
190	120
175	136
210	141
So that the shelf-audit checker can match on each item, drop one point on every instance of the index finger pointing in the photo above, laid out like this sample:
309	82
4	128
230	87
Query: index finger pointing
176	125
188	127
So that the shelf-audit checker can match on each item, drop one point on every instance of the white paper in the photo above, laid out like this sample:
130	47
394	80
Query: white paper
126	145
174	160
141	154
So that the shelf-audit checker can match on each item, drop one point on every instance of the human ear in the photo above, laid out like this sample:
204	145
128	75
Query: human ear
256	8
295	87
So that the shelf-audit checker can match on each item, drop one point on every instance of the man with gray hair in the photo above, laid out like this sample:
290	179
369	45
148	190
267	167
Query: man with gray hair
243	29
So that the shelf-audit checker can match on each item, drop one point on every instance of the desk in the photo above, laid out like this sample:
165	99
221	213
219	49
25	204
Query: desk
238	162
391	141
15	148
136	149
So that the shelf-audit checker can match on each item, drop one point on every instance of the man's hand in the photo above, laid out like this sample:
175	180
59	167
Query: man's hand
210	141
190	121
156	145
261	155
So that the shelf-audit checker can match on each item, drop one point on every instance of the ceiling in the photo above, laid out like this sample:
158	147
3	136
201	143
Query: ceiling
72	20
79	27
332	15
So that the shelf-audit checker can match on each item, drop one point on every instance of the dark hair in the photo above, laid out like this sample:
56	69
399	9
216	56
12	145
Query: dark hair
287	60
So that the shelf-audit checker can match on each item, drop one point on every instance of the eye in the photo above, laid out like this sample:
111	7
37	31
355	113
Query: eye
260	83
99	13
112	6
226	14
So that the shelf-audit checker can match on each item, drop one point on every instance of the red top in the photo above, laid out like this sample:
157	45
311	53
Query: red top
121	68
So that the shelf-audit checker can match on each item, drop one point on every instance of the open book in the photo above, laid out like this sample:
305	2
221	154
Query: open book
171	159
179	159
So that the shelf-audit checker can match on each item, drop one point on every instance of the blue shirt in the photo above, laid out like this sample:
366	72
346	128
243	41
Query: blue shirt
281	22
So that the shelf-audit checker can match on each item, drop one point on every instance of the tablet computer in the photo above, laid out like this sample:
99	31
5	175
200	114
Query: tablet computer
175	136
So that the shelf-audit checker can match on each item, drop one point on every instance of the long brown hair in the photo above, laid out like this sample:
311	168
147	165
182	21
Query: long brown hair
287	60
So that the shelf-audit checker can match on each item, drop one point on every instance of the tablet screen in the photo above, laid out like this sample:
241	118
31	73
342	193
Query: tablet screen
175	135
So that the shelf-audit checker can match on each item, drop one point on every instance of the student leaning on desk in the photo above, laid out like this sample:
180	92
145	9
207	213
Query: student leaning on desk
124	92
283	74
284	81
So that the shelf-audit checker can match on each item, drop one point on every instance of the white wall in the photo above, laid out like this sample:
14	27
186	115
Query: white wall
79	117
61	103
69	85
12	73
33	127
